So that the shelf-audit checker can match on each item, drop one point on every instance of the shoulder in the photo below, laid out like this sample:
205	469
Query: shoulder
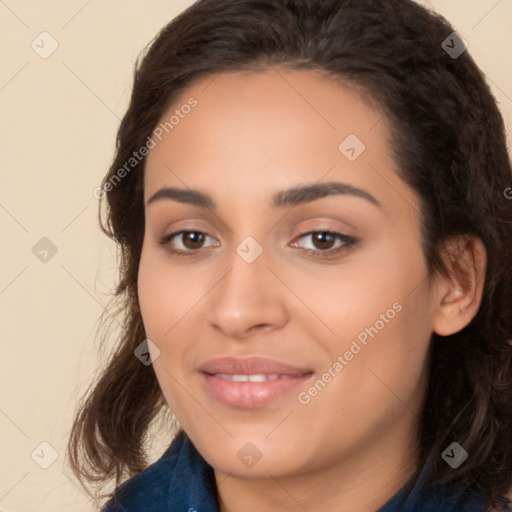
150	488
440	496
456	502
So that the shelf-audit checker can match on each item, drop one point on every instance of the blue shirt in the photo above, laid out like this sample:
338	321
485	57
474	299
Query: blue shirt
182	481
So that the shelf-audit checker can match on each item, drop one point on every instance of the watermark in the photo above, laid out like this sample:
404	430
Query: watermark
249	454
147	352
352	147
45	45
44	250
44	455
249	249
139	155
454	45
304	397
454	455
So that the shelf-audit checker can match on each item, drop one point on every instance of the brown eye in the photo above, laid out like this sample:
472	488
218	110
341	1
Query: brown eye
323	243
193	239
185	242
323	239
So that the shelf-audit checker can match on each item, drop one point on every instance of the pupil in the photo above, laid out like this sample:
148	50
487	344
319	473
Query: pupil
325	239
194	237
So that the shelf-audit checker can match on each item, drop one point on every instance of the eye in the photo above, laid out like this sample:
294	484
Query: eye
190	242
324	243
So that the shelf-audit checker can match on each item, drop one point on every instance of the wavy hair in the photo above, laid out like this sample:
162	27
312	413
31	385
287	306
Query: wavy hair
449	141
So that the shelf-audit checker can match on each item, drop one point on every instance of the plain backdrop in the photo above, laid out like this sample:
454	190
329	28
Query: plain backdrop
59	114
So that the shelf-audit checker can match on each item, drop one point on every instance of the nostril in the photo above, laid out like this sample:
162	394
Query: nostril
263	326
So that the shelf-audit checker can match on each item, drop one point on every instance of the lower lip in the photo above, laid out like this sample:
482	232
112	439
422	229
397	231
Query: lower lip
249	395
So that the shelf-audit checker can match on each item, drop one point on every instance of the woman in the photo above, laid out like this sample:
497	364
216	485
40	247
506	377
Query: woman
310	201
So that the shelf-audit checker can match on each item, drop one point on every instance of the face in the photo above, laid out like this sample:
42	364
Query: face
288	305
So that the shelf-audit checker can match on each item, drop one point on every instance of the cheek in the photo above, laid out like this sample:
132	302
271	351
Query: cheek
163	293
167	299
381	315
339	304
379	386
158	296
388	373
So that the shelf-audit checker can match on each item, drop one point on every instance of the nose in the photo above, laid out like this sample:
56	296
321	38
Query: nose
248	299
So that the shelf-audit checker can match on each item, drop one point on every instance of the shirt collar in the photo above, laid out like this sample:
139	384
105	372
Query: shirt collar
192	488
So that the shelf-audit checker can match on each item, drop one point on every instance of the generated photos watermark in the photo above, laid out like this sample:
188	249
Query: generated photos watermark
357	345
137	156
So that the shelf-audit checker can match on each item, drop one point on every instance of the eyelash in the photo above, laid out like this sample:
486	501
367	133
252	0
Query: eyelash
348	244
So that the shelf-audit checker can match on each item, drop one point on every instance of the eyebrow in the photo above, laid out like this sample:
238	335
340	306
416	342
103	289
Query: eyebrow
291	197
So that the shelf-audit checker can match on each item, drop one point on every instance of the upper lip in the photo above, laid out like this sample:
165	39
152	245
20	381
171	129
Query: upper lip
251	366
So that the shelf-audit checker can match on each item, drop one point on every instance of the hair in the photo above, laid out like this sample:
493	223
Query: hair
449	142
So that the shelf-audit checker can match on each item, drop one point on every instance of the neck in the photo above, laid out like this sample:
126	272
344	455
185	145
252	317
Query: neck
361	483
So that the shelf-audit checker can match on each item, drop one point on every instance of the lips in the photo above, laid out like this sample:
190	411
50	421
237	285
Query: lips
250	382
251	366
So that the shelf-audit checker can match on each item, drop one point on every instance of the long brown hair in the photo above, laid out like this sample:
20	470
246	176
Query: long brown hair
449	141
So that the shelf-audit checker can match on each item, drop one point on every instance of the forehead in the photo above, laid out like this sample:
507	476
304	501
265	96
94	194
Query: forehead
267	129
273	108
267	100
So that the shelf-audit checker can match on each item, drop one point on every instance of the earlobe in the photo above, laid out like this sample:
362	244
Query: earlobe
460	295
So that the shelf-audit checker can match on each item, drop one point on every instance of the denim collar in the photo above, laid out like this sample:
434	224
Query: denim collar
182	480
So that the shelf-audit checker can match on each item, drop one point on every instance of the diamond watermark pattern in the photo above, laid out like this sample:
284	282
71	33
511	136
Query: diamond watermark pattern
147	352
352	147
44	455
44	250
45	45
249	454
454	455
454	45
249	249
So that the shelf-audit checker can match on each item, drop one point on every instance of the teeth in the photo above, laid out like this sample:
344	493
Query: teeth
259	377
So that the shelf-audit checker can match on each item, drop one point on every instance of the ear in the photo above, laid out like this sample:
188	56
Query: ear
459	295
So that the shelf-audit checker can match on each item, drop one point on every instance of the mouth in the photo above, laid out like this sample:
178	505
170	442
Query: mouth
250	383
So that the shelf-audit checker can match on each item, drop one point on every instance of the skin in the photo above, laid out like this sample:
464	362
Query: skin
353	445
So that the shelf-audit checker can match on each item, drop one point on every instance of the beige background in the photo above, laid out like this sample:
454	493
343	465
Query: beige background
59	117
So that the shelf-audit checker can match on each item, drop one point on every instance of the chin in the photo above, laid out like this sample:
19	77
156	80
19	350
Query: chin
253	457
